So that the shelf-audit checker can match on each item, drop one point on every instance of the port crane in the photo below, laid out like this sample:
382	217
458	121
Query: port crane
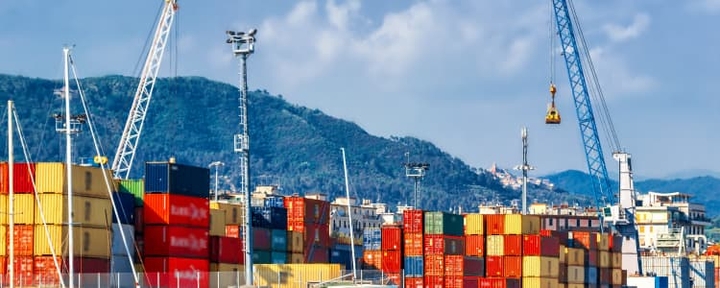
617	210
122	162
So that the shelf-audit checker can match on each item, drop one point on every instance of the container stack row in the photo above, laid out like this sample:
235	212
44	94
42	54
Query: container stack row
269	221
309	220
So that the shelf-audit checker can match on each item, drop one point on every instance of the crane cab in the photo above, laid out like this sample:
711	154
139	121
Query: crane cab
552	116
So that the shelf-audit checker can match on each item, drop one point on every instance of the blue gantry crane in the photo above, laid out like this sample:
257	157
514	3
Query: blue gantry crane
616	208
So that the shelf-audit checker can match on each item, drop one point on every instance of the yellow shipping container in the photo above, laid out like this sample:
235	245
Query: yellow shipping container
617	277
522	224
603	241
89	242
295	242
616	260
88	211
536	282
575	256
87	181
604	259
576	274
495	245
540	266
474	224
295	258
294	275
233	212
3	207
24	205
217	222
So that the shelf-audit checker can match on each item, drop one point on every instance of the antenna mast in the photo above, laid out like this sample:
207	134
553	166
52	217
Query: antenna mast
524	167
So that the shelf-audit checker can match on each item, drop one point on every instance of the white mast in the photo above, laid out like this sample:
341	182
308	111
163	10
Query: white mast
524	167
11	195
68	167
349	207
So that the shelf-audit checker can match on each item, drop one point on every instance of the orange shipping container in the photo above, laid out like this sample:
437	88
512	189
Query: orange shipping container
414	282
443	244
24	240
475	245
513	245
494	224
493	266
373	258
453	282
307	210
454	265
24	270
434	265
392	261
413	244
512	266
584	239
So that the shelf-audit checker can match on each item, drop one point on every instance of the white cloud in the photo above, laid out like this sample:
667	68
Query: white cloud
619	33
616	77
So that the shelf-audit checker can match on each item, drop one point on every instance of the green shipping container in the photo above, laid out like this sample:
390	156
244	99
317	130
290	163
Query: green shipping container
135	187
261	257
443	223
278	240
278	257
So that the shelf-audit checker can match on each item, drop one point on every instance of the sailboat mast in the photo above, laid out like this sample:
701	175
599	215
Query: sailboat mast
11	195
68	167
352	227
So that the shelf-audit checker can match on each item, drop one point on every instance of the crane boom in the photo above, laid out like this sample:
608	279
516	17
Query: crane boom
583	108
133	127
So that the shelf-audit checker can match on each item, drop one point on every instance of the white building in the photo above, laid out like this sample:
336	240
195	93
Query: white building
364	215
661	216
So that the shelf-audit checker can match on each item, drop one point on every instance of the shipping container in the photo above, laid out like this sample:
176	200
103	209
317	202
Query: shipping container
414	266
494	224
413	245
434	265
535	282
86	180
434	281
278	257
475	245
303	210
226	250
176	241
414	282
536	245
295	242
295	275
444	244
574	256
88	242
473	266
24	270
278	239
616	259
122	264
442	223
234	212
118	245
46	273
139	219
317	234
576	274
453	282
87	211
261	239
512	266
522	224
136	187
454	265
342	257
494	266
24	205
24	237
372	259
225	267
172	209
603	241
176	272
513	283
217	222
125	204
584	239
474	224
372	238
591	275
491	283
270	217
23	173
513	245
173	178
261	257
4	203
317	254
470	281
495	245
604	260
296	258
413	221
615	243
391	237
392	261
540	266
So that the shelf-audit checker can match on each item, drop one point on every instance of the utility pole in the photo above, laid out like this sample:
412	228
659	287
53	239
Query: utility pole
217	165
524	167
243	45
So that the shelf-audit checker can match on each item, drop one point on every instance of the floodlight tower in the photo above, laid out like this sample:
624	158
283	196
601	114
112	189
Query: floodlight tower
243	45
524	167
416	171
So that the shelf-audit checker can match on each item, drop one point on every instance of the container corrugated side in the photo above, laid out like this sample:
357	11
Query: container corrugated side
513	245
174	178
24	239
89	242
25	203
522	224
125	204
295	275
87	211
576	274
176	272
454	265
118	246
391	238
87	181
574	256
512	266
413	245
475	245
234	212
443	244
495	245
173	209
604	260
278	239
494	224
443	223
295	258
392	261
3	244
217	222
616	259
176	241
136	187
413	221
539	266
414	266
4	204
536	282
295	242
474	224
22	178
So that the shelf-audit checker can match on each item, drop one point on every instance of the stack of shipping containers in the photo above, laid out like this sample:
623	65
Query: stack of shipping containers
269	222
372	248
444	249
391	249
24	221
226	253
176	219
413	247
311	217
474	266
122	258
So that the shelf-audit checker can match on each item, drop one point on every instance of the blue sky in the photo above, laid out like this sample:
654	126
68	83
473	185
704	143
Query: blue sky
466	75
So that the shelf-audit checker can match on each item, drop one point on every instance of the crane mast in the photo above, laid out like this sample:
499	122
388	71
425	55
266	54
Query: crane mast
621	215
122	162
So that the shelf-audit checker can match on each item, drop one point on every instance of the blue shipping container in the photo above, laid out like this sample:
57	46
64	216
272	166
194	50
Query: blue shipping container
269	217
278	240
372	238
278	257
118	248
342	257
414	266
125	204
275	201
164	177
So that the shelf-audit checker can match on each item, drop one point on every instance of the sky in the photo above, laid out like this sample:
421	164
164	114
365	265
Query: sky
466	75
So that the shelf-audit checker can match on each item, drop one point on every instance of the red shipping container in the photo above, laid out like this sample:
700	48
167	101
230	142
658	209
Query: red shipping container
473	266
305	210
392	261
226	250
536	245
176	241
494	224
471	281
513	245
413	244
24	238
139	220
512	266
491	283
23	181
319	254
605	275
24	270
391	237
317	234
173	209
475	245
434	265
46	273
513	283
444	244
413	221
262	238
394	278
176	272
584	239
414	282
545	232
494	266
434	282
454	265
454	281
591	258
562	236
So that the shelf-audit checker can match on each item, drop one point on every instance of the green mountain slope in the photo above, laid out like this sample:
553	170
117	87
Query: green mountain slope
194	119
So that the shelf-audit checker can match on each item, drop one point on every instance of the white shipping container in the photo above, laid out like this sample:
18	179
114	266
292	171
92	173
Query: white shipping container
118	248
